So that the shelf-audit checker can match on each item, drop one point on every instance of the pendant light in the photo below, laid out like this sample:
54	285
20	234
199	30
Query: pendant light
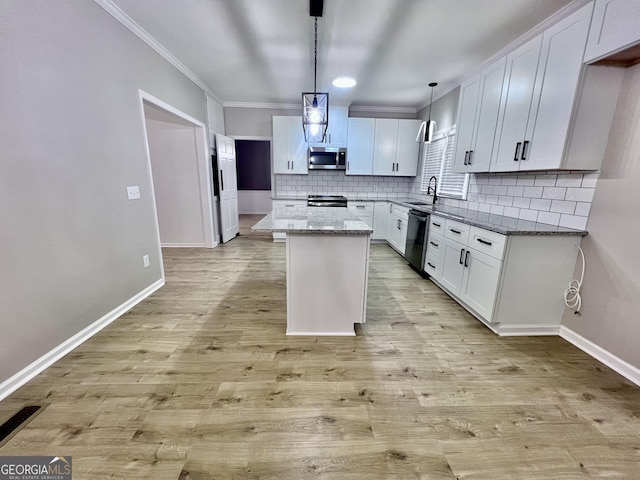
315	105
425	133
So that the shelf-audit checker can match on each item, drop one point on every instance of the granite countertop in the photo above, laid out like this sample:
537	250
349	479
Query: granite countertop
495	223
303	219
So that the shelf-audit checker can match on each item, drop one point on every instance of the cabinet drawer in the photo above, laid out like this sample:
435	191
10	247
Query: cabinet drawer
289	203
361	207
456	231
432	265
436	225
435	244
488	242
398	211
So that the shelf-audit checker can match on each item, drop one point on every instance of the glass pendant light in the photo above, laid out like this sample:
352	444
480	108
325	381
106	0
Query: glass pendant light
315	105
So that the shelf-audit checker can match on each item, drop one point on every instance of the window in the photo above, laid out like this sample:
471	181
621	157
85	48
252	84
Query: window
438	162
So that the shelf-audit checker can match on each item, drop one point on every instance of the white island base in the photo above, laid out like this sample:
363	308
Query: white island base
326	283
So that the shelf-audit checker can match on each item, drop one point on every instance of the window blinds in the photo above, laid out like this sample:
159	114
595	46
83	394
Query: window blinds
438	161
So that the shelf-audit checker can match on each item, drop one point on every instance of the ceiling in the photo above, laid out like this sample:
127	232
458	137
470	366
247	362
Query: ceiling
261	51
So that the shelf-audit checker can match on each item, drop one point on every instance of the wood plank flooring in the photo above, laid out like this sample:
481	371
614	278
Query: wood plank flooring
200	382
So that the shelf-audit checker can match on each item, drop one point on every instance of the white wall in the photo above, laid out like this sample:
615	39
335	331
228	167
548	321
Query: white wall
71	130
174	165
254	201
611	287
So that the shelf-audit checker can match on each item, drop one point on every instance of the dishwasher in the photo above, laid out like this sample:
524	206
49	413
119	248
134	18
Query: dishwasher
416	246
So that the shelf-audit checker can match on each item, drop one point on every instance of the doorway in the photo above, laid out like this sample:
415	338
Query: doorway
253	164
180	173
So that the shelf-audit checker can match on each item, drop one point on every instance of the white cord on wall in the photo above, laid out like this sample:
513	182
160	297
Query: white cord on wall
572	297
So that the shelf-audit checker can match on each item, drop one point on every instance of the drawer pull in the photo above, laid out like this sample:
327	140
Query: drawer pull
434	244
458	232
436	224
289	206
466	258
484	242
461	255
360	207
431	265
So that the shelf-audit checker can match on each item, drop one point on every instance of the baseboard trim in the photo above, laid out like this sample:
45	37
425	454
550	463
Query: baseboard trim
612	361
23	376
527	330
184	245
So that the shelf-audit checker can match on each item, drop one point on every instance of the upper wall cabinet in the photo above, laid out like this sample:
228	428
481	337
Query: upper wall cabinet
615	26
337	128
360	146
395	150
542	96
477	118
289	147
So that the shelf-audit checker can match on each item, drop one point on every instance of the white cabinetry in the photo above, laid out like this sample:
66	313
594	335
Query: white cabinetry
397	227
337	128
615	26
541	82
364	210
289	147
477	119
380	220
291	204
360	146
395	150
512	283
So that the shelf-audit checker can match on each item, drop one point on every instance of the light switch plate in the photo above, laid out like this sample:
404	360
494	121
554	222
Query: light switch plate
133	193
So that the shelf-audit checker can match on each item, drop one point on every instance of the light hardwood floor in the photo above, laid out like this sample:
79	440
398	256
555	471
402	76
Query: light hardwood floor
200	382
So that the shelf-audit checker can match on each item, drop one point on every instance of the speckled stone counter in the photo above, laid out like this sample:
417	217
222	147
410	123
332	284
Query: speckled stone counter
303	219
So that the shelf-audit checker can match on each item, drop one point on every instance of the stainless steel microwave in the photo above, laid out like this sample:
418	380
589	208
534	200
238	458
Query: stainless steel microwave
329	158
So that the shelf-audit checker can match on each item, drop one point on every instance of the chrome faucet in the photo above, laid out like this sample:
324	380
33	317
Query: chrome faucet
432	191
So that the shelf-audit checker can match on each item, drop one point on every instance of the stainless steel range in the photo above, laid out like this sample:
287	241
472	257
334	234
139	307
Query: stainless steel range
327	201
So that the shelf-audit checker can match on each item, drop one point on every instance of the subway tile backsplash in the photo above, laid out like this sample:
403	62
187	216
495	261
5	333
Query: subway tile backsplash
548	197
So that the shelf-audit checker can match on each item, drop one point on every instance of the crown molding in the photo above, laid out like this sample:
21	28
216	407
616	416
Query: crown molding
521	40
274	106
373	108
117	13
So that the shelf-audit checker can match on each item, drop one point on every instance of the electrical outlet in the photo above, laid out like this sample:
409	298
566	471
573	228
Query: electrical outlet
145	260
133	193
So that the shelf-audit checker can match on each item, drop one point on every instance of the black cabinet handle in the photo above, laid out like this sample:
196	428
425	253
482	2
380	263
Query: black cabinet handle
524	150
484	242
515	156
436	224
466	258
398	224
461	255
434	244
470	155
431	265
466	156
455	231
221	180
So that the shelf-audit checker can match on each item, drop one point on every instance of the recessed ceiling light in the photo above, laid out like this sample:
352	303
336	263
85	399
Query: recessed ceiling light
344	82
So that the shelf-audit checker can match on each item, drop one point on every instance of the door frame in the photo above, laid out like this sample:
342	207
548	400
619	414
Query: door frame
205	173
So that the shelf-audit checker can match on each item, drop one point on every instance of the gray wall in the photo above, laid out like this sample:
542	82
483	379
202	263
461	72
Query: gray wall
71	131
611	287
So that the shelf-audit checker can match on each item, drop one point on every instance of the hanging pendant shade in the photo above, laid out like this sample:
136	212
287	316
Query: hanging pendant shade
315	105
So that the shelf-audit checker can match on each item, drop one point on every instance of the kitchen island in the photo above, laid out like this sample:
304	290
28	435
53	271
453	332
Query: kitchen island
327	268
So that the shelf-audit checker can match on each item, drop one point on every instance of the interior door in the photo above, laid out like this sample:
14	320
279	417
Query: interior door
228	183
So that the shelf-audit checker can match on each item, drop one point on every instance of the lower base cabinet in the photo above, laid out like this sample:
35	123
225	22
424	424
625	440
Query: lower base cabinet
512	283
397	227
